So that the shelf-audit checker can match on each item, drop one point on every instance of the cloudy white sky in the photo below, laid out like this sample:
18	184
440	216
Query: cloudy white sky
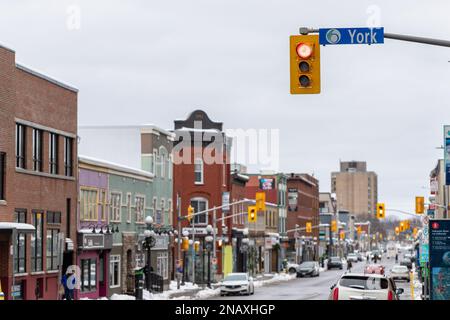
153	61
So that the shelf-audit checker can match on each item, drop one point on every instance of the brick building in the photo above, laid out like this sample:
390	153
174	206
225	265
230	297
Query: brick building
38	198
303	207
201	174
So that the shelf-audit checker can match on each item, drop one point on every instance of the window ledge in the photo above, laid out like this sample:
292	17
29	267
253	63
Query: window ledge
3	203
20	274
198	183
44	174
37	273
52	271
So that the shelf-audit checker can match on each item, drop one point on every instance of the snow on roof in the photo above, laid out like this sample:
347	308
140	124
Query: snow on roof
198	130
23	227
114	166
47	78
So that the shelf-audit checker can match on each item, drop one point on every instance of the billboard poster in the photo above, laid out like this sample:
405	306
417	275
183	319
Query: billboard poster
447	154
292	199
266	183
439	255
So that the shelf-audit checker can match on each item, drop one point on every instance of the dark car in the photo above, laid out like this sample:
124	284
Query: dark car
406	262
376	253
334	262
308	268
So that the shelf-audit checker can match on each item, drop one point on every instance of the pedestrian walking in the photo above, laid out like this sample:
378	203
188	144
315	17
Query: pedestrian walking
349	265
396	257
66	282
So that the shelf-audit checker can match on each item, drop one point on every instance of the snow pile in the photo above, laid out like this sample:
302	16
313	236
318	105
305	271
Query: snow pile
278	277
116	296
207	293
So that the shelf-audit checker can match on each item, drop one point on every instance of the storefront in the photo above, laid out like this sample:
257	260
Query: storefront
93	260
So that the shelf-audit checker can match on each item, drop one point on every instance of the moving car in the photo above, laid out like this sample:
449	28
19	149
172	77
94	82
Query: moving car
355	286
352	257
237	283
400	273
292	267
308	268
374	269
376	253
406	262
334	262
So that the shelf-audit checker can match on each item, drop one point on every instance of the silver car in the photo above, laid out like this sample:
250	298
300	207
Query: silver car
400	273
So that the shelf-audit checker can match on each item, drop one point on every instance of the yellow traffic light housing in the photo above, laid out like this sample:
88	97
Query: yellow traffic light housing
185	245
190	213
252	214
342	235
420	205
359	230
333	226
260	201
381	213
305	64
402	226
308	227
397	231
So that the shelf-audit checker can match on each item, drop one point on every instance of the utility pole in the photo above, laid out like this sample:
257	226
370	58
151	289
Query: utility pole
179	240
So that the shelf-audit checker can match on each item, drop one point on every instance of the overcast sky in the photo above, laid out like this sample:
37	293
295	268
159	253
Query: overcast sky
152	61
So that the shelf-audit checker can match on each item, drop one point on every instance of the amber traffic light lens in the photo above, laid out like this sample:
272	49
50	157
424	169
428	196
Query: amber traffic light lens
304	81
304	66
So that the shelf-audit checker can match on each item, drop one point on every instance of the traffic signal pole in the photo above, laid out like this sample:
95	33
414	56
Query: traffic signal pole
395	36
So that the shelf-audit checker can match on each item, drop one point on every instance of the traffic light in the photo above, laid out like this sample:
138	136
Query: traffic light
342	235
420	204
402	226
196	246
308	227
190	213
333	226
414	232
381	214
252	214
185	244
397	231
359	230
305	64
260	201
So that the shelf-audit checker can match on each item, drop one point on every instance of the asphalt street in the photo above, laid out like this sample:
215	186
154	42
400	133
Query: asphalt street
316	288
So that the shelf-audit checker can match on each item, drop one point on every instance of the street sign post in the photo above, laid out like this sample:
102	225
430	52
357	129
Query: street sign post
329	36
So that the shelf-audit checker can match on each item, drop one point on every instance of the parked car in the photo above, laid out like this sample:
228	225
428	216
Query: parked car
292	267
334	262
354	286
399	272
309	268
406	262
237	283
352	257
374	269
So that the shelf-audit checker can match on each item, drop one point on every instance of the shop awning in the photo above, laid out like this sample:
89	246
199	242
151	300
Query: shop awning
20	227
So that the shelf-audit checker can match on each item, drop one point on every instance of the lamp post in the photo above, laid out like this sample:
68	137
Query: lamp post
149	243
209	243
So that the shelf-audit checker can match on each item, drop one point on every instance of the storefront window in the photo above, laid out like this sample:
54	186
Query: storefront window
36	243
114	271
162	262
88	275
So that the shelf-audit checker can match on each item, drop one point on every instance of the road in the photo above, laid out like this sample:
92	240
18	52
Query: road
317	288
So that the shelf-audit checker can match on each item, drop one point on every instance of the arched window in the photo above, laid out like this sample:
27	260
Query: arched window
200	204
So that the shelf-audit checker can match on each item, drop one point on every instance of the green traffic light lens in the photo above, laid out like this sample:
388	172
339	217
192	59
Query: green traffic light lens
304	81
304	66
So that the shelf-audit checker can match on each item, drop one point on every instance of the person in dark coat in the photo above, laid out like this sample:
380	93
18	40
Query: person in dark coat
349	265
68	288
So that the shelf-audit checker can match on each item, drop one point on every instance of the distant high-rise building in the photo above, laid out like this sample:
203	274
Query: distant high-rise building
356	188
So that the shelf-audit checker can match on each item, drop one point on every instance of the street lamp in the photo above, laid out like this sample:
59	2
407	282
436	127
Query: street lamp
209	244
148	244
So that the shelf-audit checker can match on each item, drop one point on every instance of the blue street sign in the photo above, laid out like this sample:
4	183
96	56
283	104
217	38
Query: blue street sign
351	36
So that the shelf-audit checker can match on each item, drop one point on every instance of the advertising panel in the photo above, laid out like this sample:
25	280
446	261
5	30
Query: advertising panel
266	183
447	154
439	246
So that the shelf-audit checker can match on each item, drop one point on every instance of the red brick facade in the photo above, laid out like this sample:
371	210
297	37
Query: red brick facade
36	101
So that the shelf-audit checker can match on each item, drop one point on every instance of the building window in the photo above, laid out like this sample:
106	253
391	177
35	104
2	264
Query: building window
88	275
88	204
169	167
154	163
68	157
2	175
140	209
129	208
200	204
52	249
103	202
53	153
198	171
114	271
162	264
163	164
37	242
20	146
53	217
37	150
21	244
160	213
116	203
169	216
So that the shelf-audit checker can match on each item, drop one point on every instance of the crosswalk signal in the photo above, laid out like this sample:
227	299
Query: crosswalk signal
308	227
381	213
260	201
252	214
190	213
333	226
305	64
420	204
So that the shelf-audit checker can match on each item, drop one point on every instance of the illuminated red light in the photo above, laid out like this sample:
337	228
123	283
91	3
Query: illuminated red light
304	50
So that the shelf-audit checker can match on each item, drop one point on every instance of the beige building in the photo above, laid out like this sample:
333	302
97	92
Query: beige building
439	193
356	188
